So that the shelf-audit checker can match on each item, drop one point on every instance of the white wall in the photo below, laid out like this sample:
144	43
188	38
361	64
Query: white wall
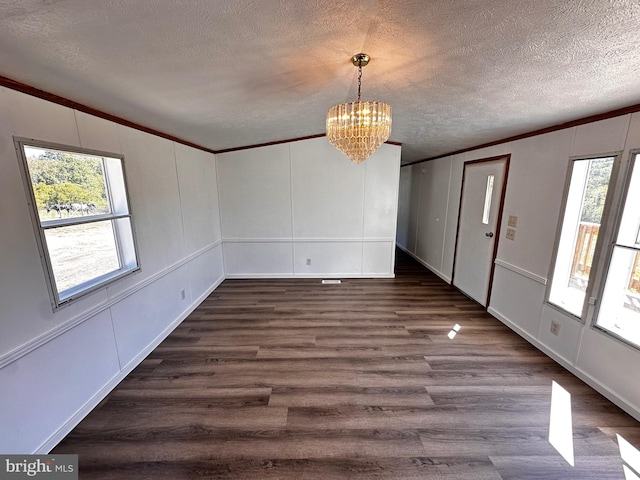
432	214
534	194
284	204
55	367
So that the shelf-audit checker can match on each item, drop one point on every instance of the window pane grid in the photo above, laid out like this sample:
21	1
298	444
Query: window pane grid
80	221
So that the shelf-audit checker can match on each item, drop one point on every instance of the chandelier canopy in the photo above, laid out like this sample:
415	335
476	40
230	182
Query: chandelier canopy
358	128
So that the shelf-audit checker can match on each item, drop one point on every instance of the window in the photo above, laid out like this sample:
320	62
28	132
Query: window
619	308
487	199
584	204
81	214
615	287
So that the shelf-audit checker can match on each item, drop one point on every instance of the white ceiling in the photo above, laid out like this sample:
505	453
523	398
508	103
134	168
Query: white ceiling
229	73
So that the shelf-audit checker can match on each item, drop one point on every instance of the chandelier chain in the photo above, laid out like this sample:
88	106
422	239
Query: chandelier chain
359	81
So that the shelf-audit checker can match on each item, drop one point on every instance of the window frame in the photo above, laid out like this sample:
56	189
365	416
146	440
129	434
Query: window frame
633	161
594	277
124	246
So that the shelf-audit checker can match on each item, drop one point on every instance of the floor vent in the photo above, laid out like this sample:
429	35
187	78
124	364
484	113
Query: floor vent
331	282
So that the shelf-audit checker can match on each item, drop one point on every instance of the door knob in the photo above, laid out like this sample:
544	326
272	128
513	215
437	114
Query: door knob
489	234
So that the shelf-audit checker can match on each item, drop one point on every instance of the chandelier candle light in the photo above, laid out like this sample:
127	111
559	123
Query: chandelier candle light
358	128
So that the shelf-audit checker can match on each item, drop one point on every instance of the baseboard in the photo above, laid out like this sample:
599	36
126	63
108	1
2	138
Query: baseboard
621	402
249	276
94	401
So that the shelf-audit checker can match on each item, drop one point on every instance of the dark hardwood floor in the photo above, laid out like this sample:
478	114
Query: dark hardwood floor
292	379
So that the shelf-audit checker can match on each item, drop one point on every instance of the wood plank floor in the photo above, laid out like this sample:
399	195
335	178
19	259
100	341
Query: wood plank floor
292	379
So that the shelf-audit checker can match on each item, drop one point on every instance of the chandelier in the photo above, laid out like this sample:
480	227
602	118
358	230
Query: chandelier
358	128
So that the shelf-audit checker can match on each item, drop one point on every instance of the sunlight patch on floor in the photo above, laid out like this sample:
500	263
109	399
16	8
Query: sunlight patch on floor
454	331
631	458
560	423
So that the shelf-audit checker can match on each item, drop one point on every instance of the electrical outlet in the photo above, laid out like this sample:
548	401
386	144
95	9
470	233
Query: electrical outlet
555	327
513	221
511	233
182	294
308	261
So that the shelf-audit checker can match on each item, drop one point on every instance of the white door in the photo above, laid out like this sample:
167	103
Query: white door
480	208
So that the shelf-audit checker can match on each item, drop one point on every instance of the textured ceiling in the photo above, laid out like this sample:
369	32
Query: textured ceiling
229	73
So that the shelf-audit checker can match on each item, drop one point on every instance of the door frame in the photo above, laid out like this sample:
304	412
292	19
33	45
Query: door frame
507	158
